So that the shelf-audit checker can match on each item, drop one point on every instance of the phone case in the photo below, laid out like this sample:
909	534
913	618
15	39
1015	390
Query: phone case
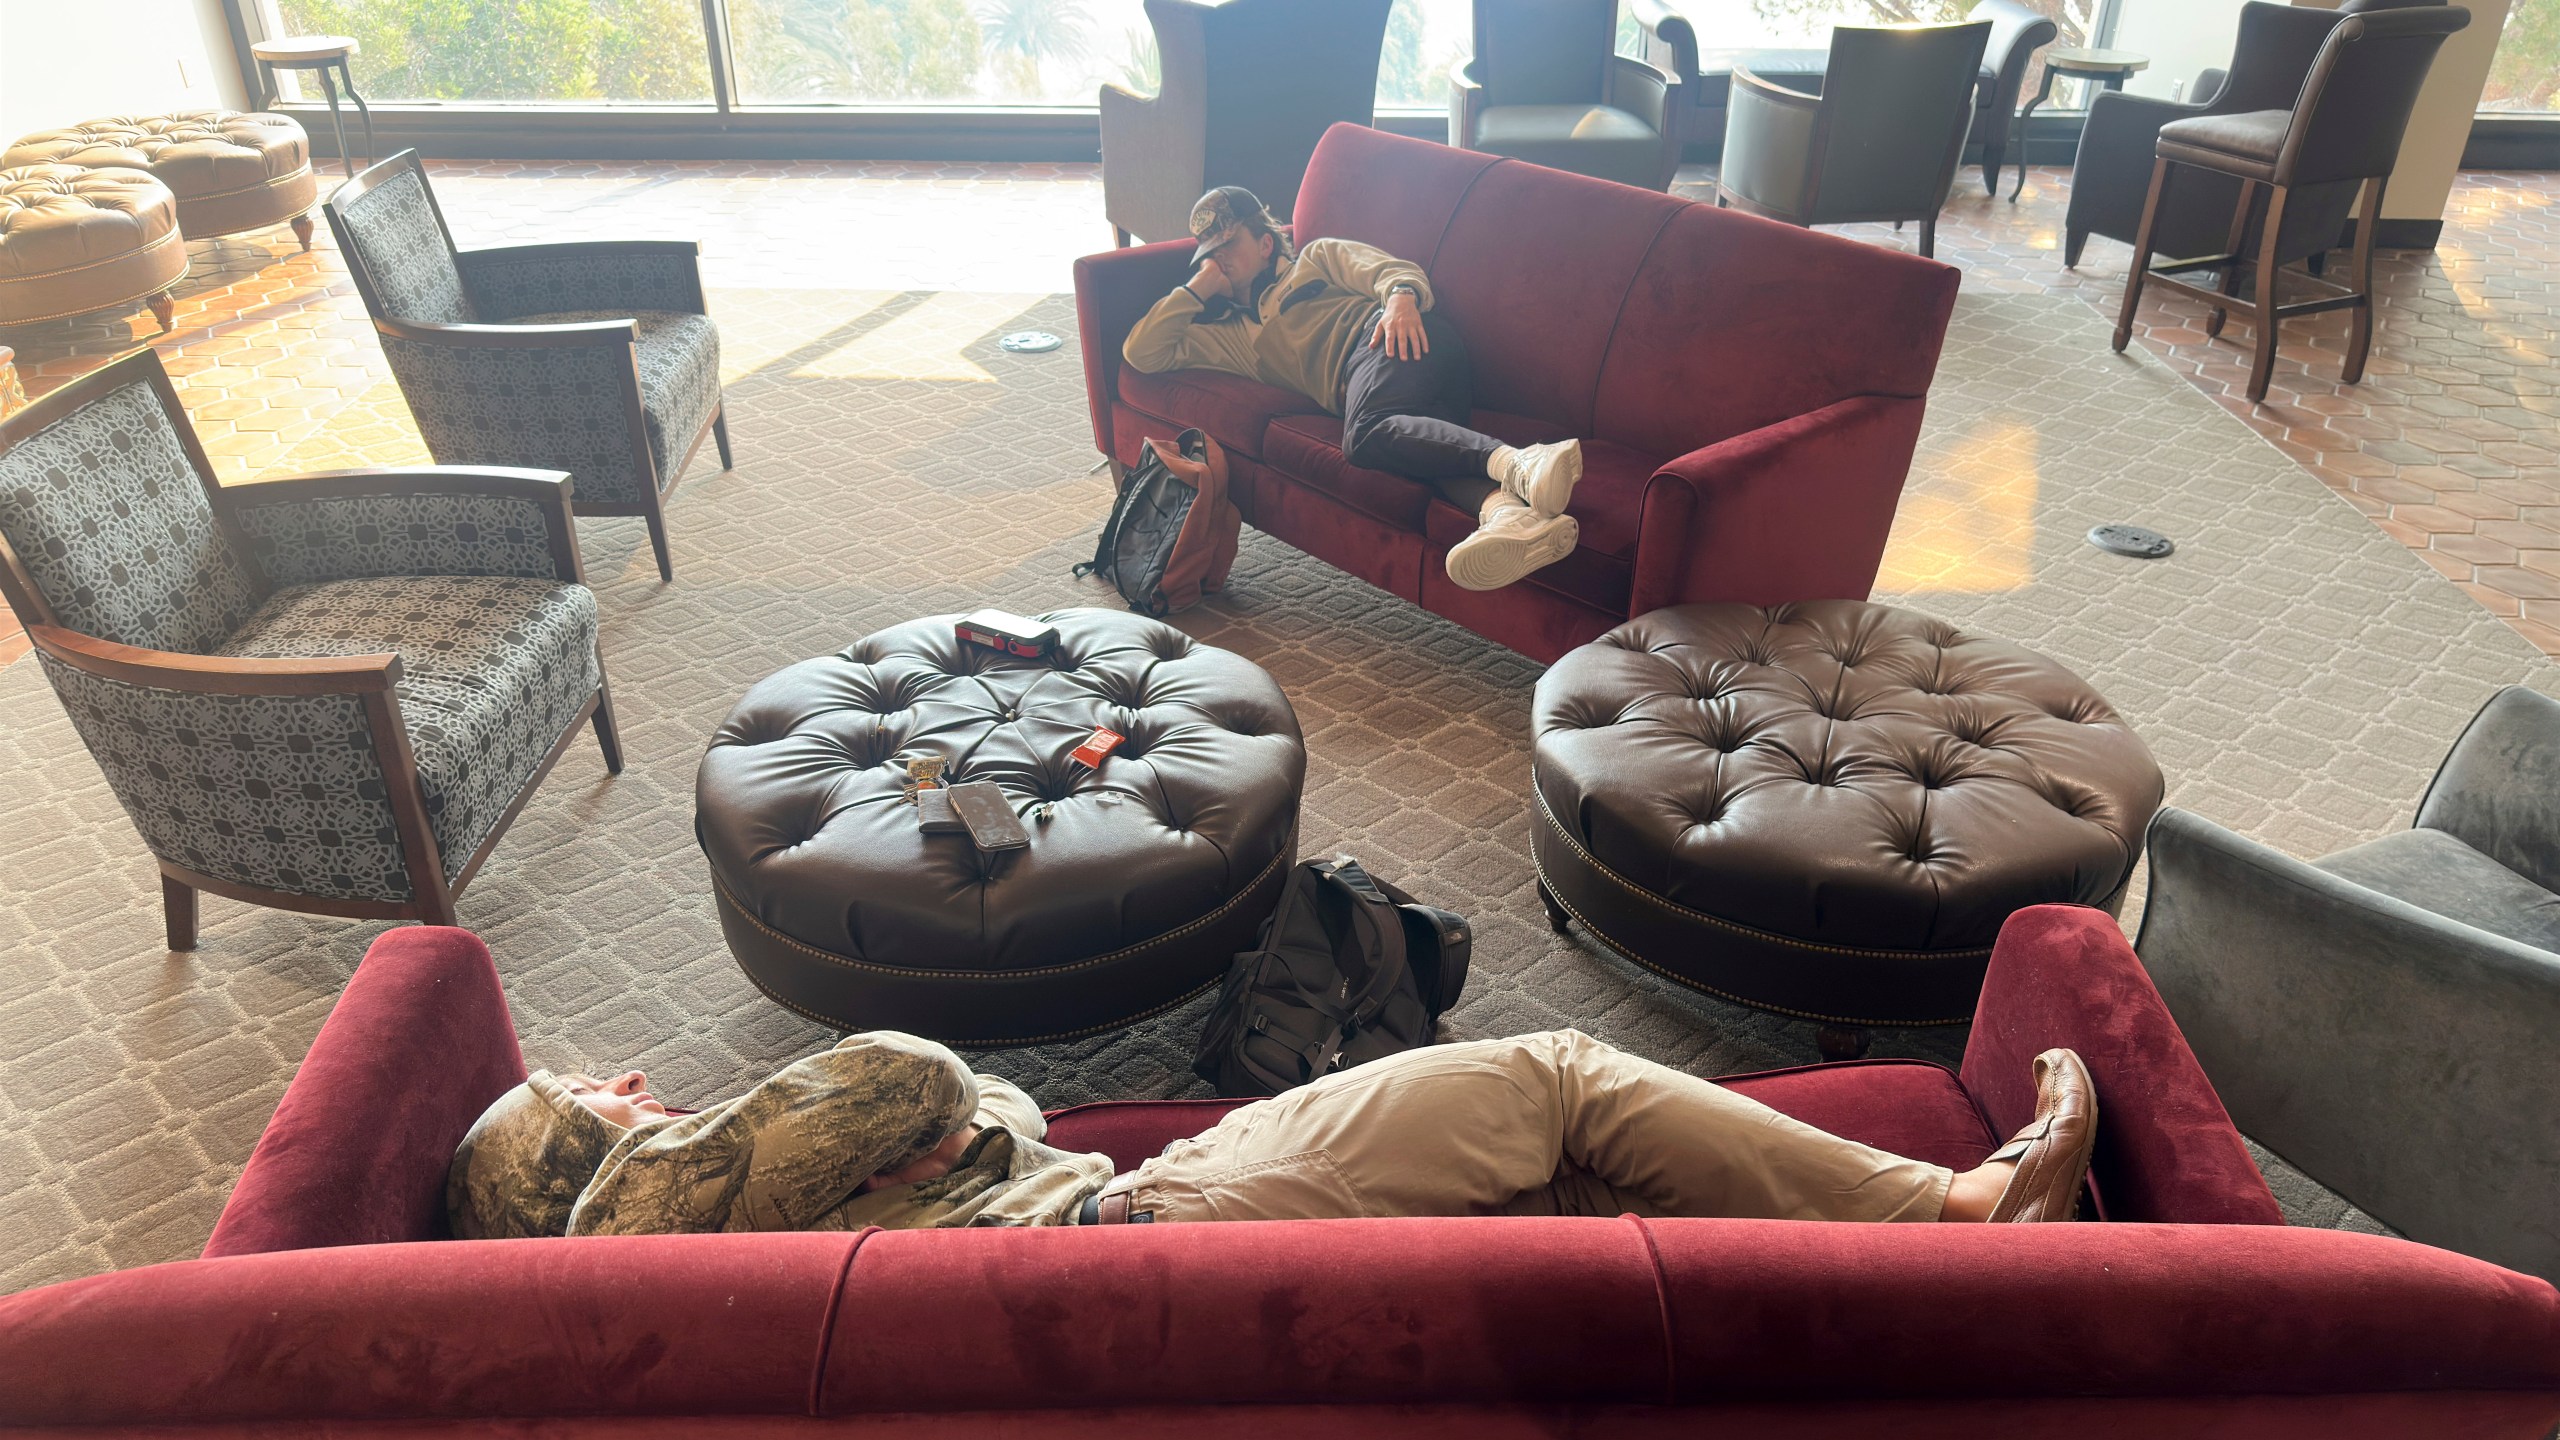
989	816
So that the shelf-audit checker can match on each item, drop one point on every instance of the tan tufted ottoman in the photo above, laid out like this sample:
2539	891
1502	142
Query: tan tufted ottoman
74	240
1143	879
1826	809
232	172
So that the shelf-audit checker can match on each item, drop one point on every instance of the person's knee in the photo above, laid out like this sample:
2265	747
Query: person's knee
1364	444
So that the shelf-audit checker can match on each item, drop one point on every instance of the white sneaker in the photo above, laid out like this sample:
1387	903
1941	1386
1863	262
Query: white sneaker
1511	541
1542	477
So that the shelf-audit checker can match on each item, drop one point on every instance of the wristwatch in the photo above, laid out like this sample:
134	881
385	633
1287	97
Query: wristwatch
1404	287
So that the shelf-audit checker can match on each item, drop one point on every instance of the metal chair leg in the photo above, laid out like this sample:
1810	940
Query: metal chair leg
336	126
348	76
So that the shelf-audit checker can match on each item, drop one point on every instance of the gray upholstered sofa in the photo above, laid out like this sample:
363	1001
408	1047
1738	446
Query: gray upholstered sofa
2383	1018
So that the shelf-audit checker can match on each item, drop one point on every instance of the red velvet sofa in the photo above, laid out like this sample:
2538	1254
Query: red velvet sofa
1748	393
326	1303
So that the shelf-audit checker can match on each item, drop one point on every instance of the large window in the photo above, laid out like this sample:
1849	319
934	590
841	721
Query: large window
2526	74
580	50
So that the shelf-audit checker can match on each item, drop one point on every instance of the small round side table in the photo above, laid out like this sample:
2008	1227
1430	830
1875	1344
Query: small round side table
2107	67
322	53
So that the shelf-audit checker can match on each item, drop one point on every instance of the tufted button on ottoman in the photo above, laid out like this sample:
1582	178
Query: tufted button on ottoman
74	240
1826	809
231	172
1142	879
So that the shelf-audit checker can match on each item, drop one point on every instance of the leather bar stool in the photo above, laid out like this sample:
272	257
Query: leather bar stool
322	53
2345	129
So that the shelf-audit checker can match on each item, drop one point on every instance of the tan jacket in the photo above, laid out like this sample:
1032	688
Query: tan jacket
1297	334
788	1154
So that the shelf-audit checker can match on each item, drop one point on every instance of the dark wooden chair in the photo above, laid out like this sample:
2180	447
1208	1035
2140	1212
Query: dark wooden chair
1547	85
2017	33
2345	130
594	357
1880	142
1249	87
329	693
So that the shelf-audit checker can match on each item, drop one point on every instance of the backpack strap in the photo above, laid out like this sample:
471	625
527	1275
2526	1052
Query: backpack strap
1379	924
1105	548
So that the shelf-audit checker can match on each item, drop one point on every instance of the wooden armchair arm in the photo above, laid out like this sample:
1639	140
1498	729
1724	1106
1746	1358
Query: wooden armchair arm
586	334
217	674
1769	138
1466	104
1672	30
422	520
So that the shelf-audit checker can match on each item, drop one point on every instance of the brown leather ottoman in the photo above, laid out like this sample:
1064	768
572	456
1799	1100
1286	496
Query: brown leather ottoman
231	172
1142	881
73	241
1826	809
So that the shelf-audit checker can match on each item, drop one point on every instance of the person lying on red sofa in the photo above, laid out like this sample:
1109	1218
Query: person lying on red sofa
1351	328
890	1130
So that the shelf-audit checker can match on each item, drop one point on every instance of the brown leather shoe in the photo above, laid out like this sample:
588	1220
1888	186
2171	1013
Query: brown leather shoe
2052	1151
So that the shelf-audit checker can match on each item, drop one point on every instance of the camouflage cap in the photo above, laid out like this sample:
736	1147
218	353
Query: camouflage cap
520	1170
1225	213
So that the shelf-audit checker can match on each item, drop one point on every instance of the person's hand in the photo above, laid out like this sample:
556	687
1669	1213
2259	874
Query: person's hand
1208	282
1400	330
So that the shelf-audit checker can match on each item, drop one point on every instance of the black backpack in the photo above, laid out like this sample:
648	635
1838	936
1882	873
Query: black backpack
1349	969
1172	533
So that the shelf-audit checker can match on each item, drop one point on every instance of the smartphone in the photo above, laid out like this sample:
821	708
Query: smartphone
981	805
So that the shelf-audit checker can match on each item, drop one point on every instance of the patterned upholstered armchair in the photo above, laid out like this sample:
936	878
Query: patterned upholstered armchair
594	357
328	693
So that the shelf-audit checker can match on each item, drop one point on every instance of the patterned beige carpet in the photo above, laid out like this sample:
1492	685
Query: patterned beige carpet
2296	671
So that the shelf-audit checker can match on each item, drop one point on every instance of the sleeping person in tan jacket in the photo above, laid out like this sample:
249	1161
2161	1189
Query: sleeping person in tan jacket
1351	328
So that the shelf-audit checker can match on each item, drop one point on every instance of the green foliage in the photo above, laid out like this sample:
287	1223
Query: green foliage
517	49
2526	74
1408	73
815	51
1141	67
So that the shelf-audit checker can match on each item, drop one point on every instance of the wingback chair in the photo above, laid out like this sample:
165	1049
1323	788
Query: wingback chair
2382	1018
594	357
1880	142
1248	88
1546	85
328	693
2017	33
2111	174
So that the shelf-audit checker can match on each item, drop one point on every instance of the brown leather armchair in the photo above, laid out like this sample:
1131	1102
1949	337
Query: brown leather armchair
1249	87
1546	85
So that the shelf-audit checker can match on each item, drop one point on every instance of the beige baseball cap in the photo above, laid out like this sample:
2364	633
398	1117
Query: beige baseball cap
1225	213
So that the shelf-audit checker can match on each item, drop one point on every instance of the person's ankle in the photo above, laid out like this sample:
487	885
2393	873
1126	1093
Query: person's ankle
1973	1193
1498	464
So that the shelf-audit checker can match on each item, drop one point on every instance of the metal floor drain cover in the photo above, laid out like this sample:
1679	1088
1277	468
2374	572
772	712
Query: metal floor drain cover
1030	342
2132	540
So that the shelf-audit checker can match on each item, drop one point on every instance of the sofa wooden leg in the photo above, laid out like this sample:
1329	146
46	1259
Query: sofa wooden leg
1843	1042
302	230
658	545
178	910
165	309
720	437
608	734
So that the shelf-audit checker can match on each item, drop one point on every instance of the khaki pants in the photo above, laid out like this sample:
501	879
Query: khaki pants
1553	1124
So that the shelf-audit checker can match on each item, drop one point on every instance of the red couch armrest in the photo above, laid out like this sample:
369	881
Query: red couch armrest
2063	975
417	1047
1114	291
1798	510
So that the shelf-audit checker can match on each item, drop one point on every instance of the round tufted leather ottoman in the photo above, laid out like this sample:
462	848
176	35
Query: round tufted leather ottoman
1142	880
1826	809
230	171
74	240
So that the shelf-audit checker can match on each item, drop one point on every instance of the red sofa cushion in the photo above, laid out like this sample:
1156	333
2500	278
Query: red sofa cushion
1909	1107
1232	409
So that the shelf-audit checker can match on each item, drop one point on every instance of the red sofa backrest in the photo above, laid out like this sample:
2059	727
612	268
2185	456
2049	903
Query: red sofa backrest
1623	315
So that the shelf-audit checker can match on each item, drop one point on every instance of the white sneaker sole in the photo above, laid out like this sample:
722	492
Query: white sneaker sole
1550	490
1491	560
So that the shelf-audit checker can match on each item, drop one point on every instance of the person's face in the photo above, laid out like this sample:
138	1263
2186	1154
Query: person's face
624	1099
1242	259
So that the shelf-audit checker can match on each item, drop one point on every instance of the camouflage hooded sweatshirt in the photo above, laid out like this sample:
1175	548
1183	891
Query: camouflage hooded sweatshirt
787	1155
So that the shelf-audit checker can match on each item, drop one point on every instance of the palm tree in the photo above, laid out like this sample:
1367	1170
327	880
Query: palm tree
1038	31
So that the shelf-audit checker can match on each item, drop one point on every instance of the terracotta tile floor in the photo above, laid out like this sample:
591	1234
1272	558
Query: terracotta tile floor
2451	444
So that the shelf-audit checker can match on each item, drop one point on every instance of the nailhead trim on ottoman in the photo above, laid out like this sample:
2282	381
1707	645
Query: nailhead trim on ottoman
1826	809
1137	890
